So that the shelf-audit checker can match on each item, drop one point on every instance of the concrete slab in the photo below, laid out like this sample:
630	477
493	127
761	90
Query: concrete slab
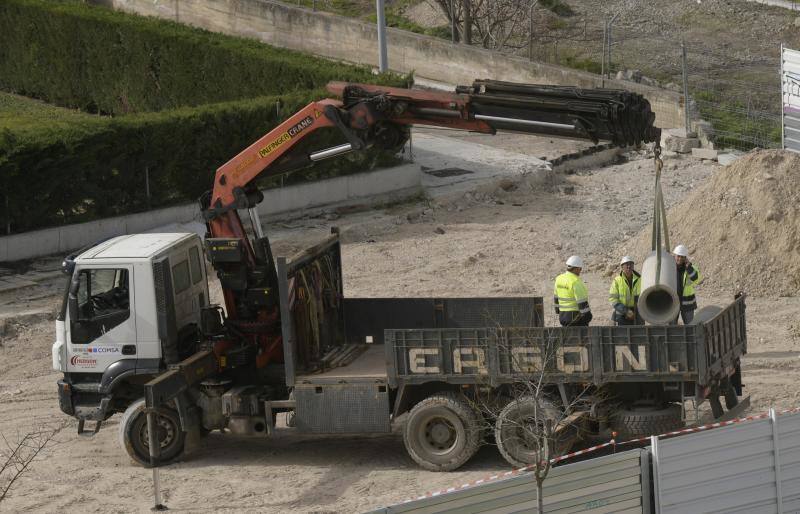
681	144
478	164
726	158
704	153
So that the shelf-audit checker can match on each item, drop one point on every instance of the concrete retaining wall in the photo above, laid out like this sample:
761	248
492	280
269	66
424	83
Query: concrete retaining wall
346	39
371	188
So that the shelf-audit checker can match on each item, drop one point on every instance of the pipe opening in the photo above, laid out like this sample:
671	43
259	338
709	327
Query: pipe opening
659	302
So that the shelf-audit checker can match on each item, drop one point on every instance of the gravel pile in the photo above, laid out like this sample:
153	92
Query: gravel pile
742	226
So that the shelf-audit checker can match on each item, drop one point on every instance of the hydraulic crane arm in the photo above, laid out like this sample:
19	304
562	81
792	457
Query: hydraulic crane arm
379	116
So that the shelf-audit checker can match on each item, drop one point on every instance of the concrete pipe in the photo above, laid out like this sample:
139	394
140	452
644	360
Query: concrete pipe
706	313
659	303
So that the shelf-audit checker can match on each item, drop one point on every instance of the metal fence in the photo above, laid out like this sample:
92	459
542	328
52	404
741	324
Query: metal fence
748	467
614	483
736	91
790	85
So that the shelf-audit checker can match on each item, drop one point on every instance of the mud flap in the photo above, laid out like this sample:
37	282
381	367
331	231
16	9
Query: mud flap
88	433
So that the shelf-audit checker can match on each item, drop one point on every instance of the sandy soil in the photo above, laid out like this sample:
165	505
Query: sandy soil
497	243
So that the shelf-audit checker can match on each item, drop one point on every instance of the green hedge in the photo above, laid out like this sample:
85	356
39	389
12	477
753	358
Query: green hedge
99	60
184	102
95	169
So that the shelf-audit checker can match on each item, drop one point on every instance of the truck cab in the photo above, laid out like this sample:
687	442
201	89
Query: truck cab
128	302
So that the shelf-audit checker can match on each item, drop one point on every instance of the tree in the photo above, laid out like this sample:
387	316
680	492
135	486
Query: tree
494	21
540	416
17	457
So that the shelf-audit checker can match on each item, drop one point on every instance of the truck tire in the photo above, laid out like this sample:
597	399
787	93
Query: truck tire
133	434
442	432
514	430
647	421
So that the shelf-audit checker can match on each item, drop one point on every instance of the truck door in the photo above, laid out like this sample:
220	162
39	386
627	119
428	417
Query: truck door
101	328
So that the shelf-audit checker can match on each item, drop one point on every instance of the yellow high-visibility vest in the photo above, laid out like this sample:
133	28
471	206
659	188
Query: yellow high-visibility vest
570	294
621	292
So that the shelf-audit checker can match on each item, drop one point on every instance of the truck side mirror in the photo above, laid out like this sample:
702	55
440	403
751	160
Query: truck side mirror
72	308
72	295
79	333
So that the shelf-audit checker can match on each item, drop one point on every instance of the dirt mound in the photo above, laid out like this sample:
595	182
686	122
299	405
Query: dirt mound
742	226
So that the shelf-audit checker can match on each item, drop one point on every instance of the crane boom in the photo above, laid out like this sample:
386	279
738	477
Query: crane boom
379	116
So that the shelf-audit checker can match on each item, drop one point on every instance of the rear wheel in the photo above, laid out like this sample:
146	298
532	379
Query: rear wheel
648	420
442	432
520	424
134	438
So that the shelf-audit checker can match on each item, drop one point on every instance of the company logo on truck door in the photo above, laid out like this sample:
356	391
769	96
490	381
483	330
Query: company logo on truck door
83	362
567	359
286	136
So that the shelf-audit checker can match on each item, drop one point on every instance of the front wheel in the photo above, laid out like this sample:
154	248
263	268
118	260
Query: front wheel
442	432
134	438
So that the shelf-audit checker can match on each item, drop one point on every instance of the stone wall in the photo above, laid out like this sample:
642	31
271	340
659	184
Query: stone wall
350	40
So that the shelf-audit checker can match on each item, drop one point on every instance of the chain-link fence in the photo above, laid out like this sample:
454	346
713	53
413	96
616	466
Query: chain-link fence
736	94
734	90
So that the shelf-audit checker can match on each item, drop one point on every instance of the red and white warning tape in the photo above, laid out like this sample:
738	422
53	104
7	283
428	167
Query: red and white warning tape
591	449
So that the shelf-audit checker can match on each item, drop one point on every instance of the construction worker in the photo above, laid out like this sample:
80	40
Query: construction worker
688	277
624	294
571	297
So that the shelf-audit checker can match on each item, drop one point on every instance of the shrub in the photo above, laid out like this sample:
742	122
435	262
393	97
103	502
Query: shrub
99	60
82	171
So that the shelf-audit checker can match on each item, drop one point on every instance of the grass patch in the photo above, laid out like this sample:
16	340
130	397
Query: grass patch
22	115
581	63
735	126
399	21
557	7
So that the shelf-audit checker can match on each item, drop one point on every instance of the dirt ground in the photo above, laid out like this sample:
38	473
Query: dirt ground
475	244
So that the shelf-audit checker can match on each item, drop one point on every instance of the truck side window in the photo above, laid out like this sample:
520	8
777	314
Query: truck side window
180	277
194	257
102	291
103	302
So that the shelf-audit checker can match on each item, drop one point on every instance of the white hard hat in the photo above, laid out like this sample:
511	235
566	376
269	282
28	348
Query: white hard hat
575	262
681	250
625	259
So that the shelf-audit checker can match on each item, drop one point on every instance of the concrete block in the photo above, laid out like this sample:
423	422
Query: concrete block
704	153
31	244
72	237
681	144
726	158
704	131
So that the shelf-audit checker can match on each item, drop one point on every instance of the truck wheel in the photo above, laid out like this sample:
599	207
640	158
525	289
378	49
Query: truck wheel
517	426
133	434
442	432
647	420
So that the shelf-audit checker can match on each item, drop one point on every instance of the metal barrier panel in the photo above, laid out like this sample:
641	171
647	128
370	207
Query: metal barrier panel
752	466
788	439
790	86
614	483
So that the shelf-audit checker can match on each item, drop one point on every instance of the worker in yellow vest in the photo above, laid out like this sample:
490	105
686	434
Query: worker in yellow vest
624	294
571	297
688	277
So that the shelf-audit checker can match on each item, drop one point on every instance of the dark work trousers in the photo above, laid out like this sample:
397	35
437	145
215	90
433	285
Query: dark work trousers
574	319
686	316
